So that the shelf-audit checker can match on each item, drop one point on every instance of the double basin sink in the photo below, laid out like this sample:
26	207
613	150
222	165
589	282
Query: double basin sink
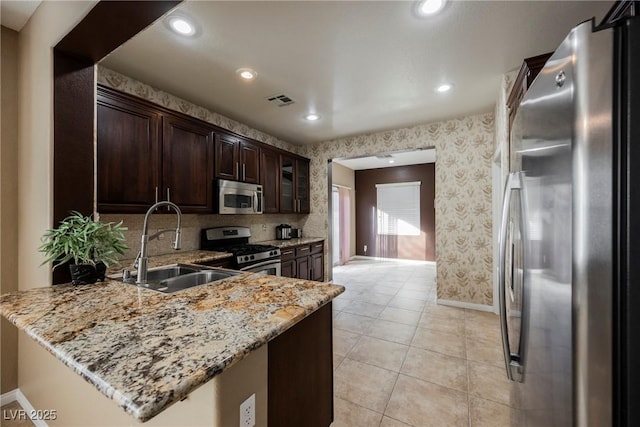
173	278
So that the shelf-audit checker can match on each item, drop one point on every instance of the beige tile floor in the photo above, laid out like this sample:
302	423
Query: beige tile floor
402	360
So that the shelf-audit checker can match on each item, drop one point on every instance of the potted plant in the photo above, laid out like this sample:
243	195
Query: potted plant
91	246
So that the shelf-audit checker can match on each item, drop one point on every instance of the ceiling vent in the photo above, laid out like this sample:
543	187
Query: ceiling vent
280	100
384	156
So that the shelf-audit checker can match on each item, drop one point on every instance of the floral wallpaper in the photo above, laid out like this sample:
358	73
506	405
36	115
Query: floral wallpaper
131	86
464	150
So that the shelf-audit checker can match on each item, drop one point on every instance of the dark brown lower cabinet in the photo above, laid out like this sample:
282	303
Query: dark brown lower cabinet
317	267
304	261
302	264
288	268
300	384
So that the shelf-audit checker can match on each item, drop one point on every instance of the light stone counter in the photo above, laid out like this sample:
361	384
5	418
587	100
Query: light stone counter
293	242
147	350
177	257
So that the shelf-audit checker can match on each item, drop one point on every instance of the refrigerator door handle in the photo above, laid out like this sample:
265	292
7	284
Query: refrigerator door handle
512	361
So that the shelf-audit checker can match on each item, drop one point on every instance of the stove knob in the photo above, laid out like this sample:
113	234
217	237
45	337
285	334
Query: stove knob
246	258
252	257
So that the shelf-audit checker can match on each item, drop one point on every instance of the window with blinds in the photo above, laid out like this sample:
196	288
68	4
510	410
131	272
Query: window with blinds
399	208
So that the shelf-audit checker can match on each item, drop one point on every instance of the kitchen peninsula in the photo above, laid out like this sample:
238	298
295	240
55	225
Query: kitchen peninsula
145	350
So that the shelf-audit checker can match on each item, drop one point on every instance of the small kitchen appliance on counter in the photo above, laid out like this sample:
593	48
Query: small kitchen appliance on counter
296	233
246	257
283	232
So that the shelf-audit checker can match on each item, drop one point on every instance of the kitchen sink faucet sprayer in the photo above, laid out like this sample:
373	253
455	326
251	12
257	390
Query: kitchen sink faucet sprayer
142	259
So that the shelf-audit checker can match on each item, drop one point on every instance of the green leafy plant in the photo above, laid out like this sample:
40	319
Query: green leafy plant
82	240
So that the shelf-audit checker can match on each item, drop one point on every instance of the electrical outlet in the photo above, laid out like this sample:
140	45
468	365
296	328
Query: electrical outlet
161	236
264	227
248	412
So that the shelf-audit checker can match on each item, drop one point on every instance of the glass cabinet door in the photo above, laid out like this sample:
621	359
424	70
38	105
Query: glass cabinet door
302	186
286	184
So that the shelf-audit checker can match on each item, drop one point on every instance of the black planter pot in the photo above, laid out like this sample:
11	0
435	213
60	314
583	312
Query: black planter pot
84	274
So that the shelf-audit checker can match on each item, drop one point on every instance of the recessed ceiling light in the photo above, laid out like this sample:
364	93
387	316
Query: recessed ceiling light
246	73
181	25
312	117
430	7
446	87
392	161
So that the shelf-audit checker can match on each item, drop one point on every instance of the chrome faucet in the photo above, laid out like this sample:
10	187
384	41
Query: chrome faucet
142	259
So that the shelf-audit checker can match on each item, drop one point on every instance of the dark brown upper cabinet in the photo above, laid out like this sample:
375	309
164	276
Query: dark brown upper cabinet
237	159
294	184
530	68
148	153
270	179
128	153
145	155
302	183
187	164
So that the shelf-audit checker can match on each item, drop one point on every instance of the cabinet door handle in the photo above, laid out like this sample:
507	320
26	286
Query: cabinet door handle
168	198
237	171
287	252
156	196
244	172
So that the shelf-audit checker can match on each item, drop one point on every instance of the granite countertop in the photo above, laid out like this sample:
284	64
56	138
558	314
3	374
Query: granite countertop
177	257
147	350
293	242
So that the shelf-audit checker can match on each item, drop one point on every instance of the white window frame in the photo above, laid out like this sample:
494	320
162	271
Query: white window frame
398	209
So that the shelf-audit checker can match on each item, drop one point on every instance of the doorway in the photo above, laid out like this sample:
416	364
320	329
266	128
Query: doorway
341	220
335	237
342	173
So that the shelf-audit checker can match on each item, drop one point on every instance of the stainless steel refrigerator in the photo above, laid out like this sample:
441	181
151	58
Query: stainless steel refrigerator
569	238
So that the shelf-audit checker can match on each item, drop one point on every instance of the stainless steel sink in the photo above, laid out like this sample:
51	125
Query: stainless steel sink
176	277
162	273
175	284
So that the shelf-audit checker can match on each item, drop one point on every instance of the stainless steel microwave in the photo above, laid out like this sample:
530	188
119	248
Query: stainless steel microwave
239	198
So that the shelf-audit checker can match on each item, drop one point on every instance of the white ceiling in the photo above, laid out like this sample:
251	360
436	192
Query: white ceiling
15	13
401	158
364	66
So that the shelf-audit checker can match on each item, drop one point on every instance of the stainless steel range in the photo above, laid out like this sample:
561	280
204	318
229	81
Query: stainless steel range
246	257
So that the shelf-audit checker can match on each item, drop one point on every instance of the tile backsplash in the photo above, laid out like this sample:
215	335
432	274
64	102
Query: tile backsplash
263	227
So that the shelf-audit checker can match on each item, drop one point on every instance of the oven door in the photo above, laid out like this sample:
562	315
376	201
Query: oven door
271	266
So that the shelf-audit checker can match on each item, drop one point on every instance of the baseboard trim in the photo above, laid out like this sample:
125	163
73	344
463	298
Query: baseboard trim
17	395
469	305
8	397
408	261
